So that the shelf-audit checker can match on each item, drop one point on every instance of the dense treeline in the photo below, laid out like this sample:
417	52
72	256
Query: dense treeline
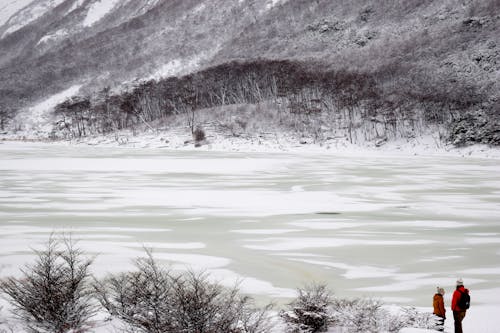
380	104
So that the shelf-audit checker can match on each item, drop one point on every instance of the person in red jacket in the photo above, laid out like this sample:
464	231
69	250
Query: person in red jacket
458	313
439	310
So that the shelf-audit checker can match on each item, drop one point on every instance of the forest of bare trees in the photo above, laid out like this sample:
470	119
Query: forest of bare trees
307	93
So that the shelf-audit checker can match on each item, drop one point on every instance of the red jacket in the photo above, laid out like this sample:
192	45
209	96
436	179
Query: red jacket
456	297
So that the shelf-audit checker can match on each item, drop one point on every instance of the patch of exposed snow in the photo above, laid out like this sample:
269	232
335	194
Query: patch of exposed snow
183	66
54	36
171	68
37	120
199	8
98	10
28	14
272	3
353	272
248	284
10	8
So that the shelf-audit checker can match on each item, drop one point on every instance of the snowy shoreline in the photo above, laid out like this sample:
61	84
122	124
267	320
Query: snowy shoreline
178	139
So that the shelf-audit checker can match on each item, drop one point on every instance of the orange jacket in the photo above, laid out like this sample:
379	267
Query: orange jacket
456	297
438	304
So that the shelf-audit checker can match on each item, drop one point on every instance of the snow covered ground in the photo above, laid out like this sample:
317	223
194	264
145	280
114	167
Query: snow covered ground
179	138
10	7
24	12
38	120
98	10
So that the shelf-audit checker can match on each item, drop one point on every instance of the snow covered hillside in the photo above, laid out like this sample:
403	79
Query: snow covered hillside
11	7
47	46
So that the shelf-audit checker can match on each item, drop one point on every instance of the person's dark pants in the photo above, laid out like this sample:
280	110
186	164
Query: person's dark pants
458	316
439	324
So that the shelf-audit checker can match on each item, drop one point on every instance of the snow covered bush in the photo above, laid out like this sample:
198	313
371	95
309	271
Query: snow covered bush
53	295
364	315
315	309
154	300
414	318
310	310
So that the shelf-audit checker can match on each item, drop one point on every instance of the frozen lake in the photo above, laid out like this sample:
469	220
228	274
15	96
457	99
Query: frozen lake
389	227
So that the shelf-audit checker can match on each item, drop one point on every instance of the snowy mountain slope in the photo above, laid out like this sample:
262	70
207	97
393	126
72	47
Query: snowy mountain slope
109	42
11	7
129	39
98	10
29	14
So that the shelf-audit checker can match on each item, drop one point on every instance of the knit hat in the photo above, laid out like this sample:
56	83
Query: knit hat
460	282
440	290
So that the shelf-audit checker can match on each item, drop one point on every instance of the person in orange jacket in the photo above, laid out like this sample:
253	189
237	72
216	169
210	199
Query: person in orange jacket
458	312
439	310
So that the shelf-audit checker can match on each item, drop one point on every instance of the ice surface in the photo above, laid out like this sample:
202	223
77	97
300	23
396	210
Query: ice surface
298	243
272	220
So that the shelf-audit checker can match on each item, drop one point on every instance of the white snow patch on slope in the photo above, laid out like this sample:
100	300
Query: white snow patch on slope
29	14
182	66
76	5
54	36
52	101
272	3
37	119
177	67
199	8
98	10
10	8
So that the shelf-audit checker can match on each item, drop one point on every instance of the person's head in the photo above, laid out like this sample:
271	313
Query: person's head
460	282
440	291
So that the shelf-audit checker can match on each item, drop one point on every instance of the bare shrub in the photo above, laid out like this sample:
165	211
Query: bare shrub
53	294
153	300
199	134
141	299
202	306
310	310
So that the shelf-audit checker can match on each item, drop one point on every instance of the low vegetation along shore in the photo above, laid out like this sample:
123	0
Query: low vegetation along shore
57	293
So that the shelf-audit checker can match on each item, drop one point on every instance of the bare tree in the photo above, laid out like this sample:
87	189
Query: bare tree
53	294
142	298
153	300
